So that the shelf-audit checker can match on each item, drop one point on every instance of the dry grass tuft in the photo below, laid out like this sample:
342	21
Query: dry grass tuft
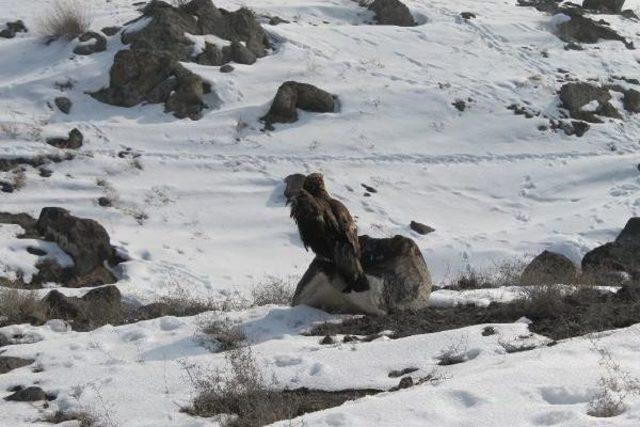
65	19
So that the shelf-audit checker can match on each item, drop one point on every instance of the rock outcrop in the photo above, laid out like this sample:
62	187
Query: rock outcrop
150	70
398	277
604	6
549	268
292	96
617	261
586	101
98	307
74	141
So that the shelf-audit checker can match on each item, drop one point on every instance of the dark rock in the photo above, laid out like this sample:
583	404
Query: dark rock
6	187
573	46
631	101
549	268
211	55
64	104
186	99
575	96
585	30
99	44
617	261
45	173
226	68
328	340
86	241
488	331
604	6
10	363
36	251
111	31
12	28
293	185
98	307
421	228
276	20
397	274
468	15
74	141
401	372
580	128
293	95
406	382
104	202
392	12
460	105
29	394
239	54
630	14
369	188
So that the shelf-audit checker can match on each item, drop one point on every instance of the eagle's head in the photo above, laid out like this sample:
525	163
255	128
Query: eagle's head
314	184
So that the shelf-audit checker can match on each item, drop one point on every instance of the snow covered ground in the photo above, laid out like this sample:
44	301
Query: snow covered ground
491	184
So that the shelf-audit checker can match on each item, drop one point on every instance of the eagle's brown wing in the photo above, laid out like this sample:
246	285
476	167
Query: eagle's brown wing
346	224
312	224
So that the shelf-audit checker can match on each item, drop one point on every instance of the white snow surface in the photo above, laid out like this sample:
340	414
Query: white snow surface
492	185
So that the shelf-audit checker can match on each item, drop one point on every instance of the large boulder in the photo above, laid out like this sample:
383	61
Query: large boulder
392	12
398	277
98	307
549	268
631	101
8	363
586	101
615	261
85	240
605	6
293	95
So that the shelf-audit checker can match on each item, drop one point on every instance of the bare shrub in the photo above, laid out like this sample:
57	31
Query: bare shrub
614	387
227	334
242	393
454	354
19	179
182	303
543	301
83	418
20	307
505	272
66	19
272	291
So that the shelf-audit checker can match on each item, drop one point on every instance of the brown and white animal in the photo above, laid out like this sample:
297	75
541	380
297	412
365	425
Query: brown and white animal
326	226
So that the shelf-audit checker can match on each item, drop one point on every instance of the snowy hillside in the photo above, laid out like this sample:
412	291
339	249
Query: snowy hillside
197	207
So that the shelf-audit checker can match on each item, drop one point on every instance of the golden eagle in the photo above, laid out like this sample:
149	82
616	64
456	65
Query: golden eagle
326	226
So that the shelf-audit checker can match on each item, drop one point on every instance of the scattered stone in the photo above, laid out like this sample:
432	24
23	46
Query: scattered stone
64	104
105	202
293	95
210	55
604	6
6	187
111	31
99	44
226	68
549	268
276	20
406	382
401	372
392	12
12	28
29	394
488	331
460	105
45	173
468	15
240	54
74	141
631	101
36	251
398	277
421	228
10	363
369	188
573	46
617	261
577	96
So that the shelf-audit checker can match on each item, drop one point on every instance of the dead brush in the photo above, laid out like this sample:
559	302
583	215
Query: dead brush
66	19
18	306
